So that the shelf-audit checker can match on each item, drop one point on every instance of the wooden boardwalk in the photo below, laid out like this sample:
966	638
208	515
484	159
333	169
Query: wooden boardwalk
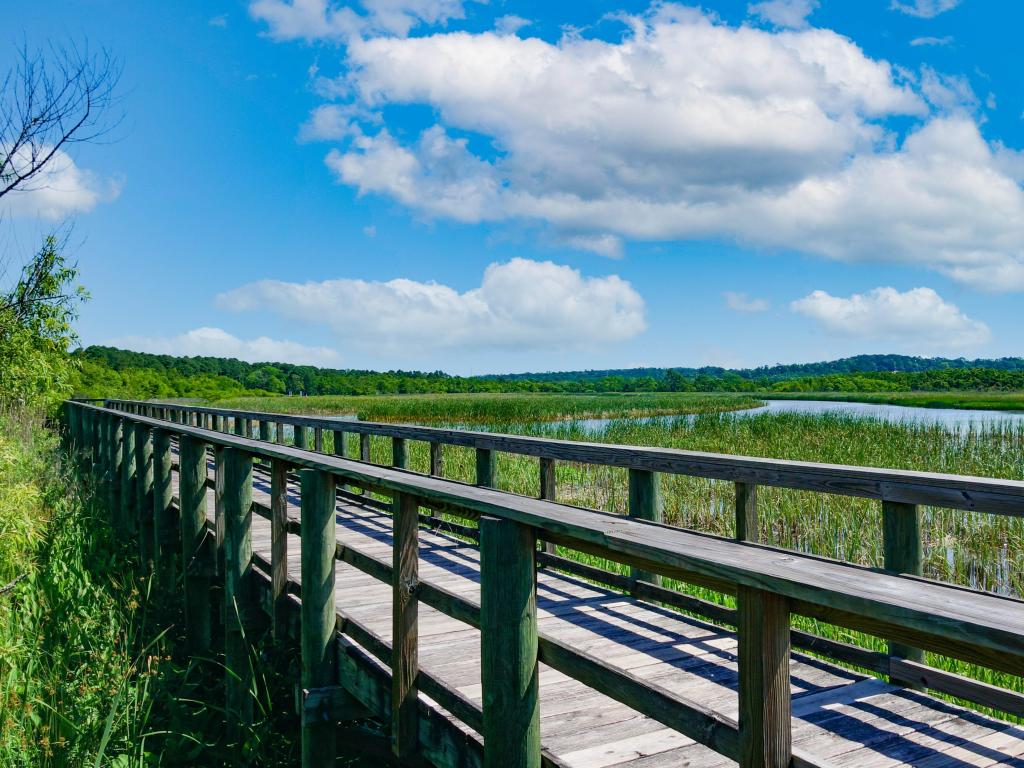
841	718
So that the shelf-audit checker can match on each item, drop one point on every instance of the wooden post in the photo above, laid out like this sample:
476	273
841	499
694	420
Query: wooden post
116	448
144	495
338	438
165	522
437	459
129	479
486	475
99	470
279	433
319	542
195	549
508	645
242	427
399	457
747	528
238	586
645	504
404	628
300	435
548	491
279	547
264	430
904	553
218	422
364	447
318	439
764	697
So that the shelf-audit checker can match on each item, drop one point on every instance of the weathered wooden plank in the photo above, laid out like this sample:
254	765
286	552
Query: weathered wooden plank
239	595
404	629
764	697
339	443
508	645
116	448
486	474
318	608
129	479
436	459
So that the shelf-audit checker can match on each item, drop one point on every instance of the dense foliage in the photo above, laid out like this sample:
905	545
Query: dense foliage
110	372
35	330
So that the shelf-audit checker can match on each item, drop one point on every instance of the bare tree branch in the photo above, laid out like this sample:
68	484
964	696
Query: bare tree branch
51	99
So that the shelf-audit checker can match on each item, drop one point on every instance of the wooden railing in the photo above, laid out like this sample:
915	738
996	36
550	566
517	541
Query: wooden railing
127	446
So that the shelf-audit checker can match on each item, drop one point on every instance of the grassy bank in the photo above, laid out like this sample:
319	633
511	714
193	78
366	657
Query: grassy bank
968	399
496	408
93	670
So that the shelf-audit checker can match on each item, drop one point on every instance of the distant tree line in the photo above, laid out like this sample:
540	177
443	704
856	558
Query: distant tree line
107	371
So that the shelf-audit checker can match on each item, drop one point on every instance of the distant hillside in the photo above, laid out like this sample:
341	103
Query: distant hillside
107	371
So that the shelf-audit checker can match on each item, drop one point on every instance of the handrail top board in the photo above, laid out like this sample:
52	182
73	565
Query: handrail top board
981	494
931	609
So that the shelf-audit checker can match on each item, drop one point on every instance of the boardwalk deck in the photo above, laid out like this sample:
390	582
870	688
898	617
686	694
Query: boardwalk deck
840	717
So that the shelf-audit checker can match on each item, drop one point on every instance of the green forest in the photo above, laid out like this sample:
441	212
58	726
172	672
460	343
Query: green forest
110	372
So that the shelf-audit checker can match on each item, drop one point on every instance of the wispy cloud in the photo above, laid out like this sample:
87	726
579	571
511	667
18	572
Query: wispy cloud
217	342
924	9
740	302
918	41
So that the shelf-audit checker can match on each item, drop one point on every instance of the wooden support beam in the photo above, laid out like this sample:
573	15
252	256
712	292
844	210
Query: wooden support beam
165	516
404	627
339	443
264	430
747	528
279	547
645	504
195	548
129	480
548	492
364	447
903	553
486	470
239	590
437	459
144	495
508	645
764	698
318	610
318	439
279	433
115	508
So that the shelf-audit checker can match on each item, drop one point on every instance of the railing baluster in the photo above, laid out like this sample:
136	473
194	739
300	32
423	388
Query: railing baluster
129	479
399	457
196	549
339	443
264	430
903	553
300	435
144	497
486	474
549	492
364	447
747	528
279	433
318	439
645	504
764	696
116	449
404	628
437	459
508	645
318	536
165	522
239	594
279	547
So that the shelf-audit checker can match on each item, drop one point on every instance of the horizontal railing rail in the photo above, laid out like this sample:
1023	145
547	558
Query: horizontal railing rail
770	584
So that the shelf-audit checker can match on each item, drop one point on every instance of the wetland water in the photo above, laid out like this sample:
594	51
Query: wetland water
953	419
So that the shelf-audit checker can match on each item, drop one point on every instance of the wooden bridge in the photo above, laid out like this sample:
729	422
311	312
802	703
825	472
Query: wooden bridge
446	612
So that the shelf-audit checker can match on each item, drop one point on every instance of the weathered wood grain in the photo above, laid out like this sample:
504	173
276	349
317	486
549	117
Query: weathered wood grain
404	628
239	597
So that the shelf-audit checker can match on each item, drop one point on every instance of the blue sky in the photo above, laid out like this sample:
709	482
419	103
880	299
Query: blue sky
508	186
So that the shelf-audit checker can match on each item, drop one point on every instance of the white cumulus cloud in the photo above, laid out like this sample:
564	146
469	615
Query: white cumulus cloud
60	189
217	342
916	317
520	304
